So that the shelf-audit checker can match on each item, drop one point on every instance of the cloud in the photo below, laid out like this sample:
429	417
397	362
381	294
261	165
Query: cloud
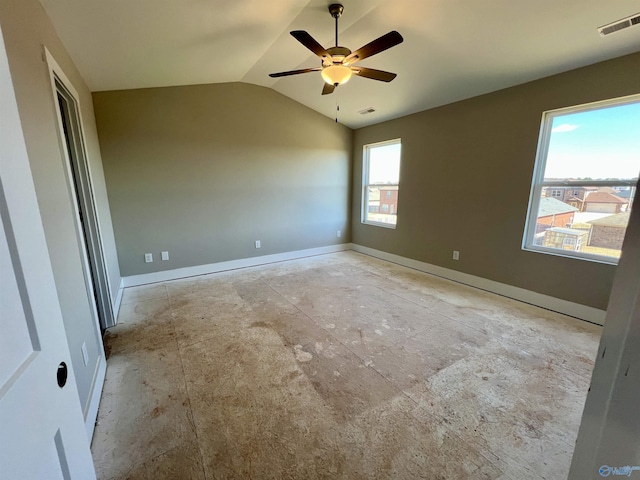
565	127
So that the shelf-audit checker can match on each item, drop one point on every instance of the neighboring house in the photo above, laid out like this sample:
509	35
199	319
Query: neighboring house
568	194
374	200
576	202
608	232
565	238
553	213
626	193
576	196
607	190
389	200
604	202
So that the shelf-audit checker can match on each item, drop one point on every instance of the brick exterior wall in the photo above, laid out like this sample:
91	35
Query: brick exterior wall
560	220
390	199
607	237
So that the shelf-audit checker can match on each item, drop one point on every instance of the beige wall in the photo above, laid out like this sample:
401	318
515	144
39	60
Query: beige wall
465	179
26	28
203	171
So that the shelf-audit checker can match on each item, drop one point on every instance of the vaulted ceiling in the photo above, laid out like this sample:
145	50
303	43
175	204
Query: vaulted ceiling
452	50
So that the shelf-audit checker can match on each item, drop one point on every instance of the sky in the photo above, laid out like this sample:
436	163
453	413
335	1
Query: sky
602	143
384	164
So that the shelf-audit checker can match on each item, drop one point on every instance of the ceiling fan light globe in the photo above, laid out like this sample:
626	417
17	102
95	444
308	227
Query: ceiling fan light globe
336	74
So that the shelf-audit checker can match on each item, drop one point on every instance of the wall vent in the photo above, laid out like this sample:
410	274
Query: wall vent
366	111
619	25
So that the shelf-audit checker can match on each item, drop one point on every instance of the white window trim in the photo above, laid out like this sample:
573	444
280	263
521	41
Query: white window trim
365	176
538	182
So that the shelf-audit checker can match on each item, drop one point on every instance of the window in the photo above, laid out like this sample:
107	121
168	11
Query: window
381	180
592	152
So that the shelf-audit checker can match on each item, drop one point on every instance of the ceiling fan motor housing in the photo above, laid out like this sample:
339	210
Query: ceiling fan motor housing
338	54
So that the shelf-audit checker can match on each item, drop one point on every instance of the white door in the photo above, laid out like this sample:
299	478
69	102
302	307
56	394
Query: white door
42	434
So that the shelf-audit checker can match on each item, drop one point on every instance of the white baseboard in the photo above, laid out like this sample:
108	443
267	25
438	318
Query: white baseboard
166	275
91	413
565	307
572	309
118	301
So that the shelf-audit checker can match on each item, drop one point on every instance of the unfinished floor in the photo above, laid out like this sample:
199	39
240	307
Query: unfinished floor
339	366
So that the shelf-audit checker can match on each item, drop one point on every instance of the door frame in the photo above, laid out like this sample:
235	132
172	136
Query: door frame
83	200
94	238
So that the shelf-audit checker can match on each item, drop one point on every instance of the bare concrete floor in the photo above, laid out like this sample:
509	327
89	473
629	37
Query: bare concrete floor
339	366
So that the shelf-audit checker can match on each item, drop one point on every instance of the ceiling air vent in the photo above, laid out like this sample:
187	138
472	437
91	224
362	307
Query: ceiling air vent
619	25
366	111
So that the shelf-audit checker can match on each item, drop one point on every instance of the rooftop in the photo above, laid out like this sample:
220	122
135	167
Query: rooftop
551	206
568	231
620	220
604	197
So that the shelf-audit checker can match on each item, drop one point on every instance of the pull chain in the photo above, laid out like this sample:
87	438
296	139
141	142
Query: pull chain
337	106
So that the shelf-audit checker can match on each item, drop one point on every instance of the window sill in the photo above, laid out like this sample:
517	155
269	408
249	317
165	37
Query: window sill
380	224
572	255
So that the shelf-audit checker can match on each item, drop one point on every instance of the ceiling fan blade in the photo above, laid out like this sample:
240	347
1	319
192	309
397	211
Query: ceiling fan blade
327	89
380	44
373	74
294	72
308	41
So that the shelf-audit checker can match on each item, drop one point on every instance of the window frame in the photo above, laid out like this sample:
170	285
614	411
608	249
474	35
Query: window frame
365	186
538	182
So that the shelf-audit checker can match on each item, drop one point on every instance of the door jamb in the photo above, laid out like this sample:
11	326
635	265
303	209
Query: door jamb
56	74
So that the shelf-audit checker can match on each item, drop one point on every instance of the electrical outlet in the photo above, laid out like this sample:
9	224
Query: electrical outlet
456	255
165	255
258	244
338	234
148	257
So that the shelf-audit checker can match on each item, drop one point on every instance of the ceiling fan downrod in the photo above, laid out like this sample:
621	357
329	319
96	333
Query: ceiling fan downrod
336	9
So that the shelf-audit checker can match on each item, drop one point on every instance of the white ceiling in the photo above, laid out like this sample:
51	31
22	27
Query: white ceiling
453	49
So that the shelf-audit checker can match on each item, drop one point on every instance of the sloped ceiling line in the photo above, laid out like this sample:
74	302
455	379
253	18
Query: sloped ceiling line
452	49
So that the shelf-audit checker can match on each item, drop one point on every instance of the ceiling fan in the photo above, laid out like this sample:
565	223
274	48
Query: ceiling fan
337	62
